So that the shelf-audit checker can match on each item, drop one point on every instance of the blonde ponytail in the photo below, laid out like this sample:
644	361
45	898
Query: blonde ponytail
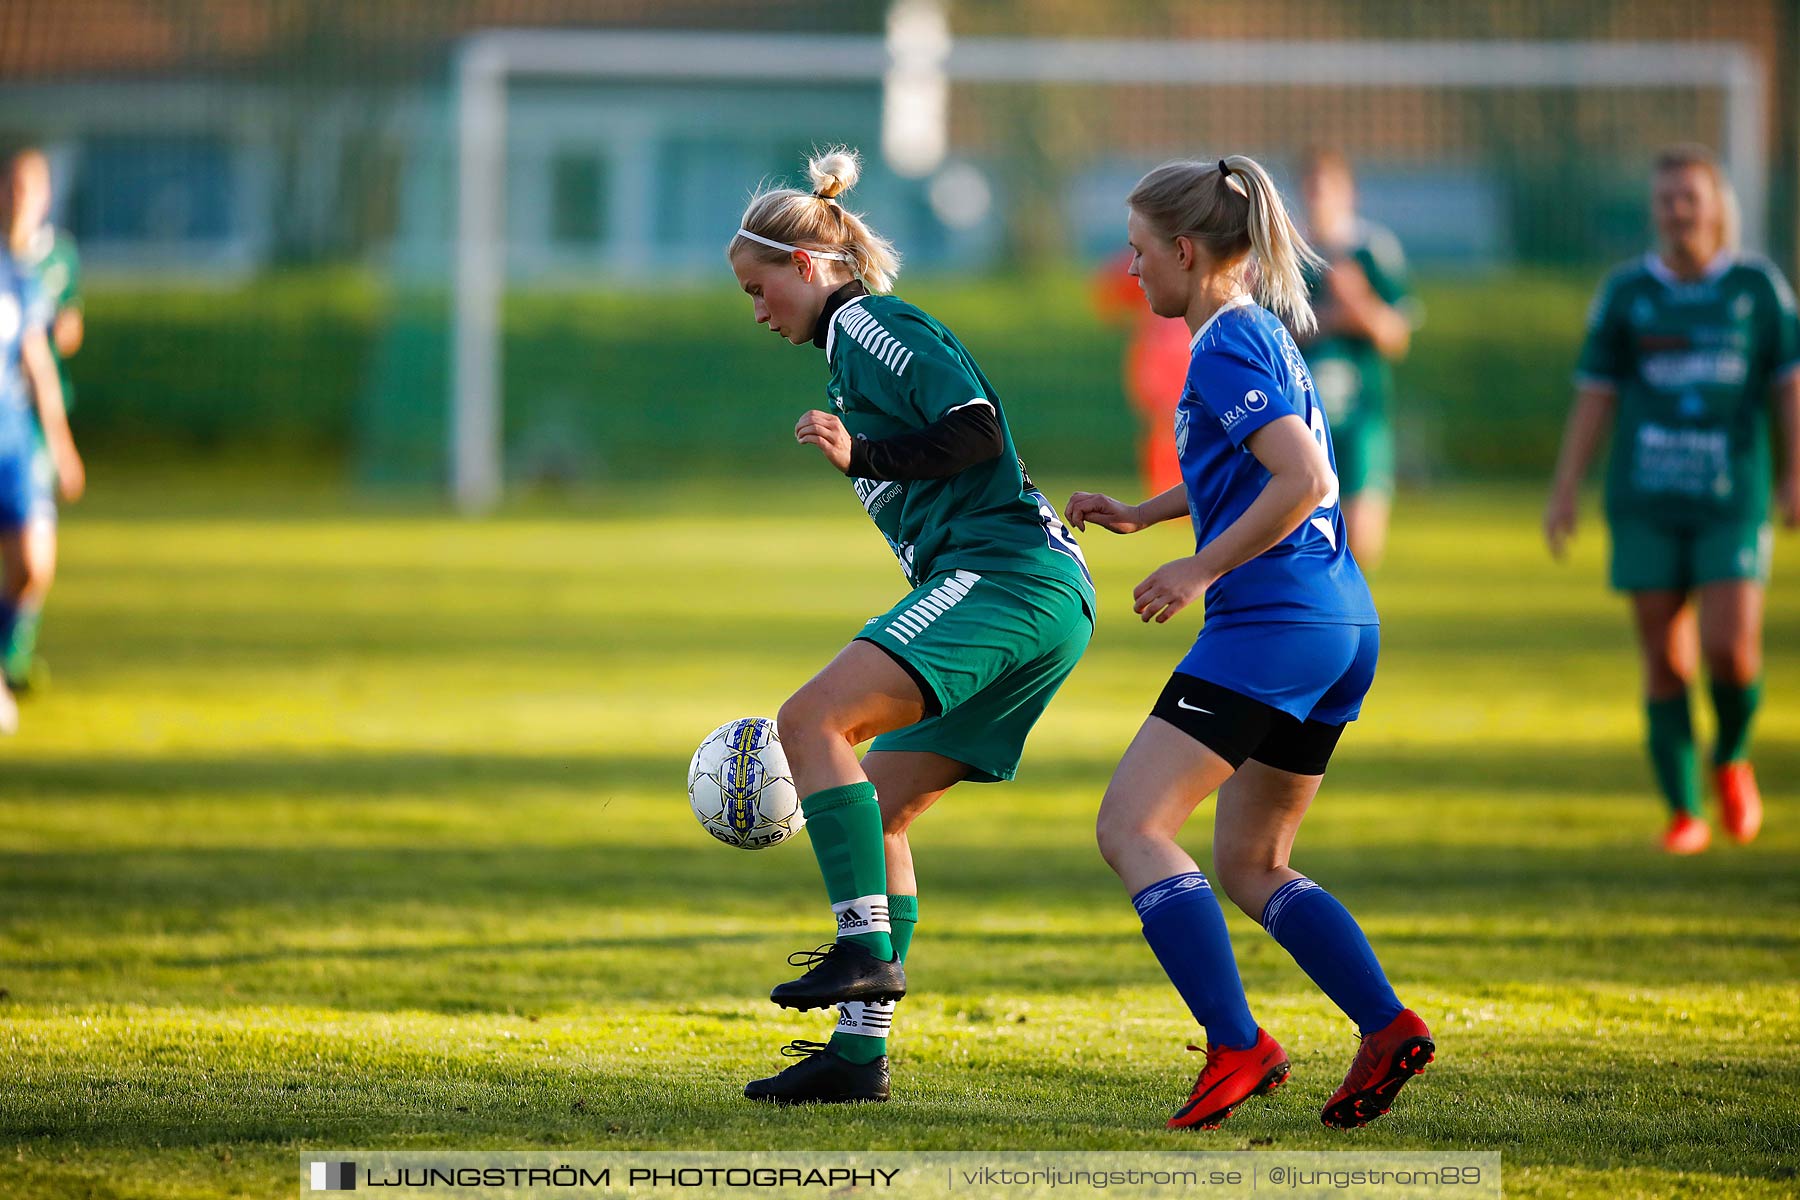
817	221
1232	208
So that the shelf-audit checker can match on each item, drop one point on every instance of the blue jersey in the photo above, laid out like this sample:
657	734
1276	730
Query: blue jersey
1245	372
21	313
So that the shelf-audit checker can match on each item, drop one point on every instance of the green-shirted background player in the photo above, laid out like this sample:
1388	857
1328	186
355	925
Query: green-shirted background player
1365	324
47	256
951	679
1686	349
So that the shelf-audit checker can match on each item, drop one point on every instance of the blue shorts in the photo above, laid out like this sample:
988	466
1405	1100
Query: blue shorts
1310	672
27	486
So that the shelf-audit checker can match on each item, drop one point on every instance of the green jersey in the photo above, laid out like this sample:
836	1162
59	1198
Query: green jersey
1352	378
895	370
54	266
1693	363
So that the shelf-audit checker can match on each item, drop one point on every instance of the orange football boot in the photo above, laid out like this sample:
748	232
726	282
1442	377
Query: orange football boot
1686	834
1230	1078
1740	804
1384	1062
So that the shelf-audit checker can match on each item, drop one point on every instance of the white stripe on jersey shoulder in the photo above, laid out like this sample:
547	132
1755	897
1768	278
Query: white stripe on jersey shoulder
1760	263
1721	263
871	335
969	404
831	332
1381	243
1238	301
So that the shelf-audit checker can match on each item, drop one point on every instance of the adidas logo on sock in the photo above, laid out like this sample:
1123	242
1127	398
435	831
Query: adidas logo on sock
860	915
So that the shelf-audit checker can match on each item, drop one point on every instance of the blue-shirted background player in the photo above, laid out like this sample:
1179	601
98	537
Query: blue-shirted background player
1287	652
47	259
30	399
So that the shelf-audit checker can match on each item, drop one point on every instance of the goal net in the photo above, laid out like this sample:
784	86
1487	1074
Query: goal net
566	313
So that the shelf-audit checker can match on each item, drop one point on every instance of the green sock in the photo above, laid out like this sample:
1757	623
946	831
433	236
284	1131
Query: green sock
903	912
15	656
845	826
1736	708
1672	753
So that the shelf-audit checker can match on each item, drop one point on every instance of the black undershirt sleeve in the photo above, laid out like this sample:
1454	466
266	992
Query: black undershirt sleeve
967	436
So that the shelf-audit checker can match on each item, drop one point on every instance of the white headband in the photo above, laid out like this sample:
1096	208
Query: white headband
772	243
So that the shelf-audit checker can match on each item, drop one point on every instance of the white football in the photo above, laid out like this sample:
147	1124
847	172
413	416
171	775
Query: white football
740	786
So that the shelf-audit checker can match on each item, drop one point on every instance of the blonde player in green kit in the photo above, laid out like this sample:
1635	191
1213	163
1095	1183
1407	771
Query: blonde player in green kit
950	680
1687	350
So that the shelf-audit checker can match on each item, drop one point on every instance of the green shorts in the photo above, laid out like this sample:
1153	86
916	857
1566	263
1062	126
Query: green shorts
991	649
1648	557
1365	456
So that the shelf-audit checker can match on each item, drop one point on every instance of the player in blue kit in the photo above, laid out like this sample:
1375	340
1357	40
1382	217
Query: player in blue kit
1288	650
46	258
31	400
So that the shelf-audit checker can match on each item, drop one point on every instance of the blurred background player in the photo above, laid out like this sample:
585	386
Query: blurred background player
948	682
1686	350
47	256
1281	664
35	446
1156	362
1359	297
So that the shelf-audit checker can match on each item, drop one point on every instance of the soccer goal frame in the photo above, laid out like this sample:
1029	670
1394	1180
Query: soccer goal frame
487	62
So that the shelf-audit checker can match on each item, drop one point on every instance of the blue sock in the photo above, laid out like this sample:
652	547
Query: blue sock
1185	928
1330	947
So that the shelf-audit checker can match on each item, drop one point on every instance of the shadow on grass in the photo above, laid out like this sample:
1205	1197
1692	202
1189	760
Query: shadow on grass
1023	924
1523	773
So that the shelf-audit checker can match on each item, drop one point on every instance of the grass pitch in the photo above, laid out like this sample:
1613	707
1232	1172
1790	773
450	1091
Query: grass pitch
365	829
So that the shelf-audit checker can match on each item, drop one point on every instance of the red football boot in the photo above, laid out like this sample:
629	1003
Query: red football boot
1230	1078
1740	804
1686	835
1384	1062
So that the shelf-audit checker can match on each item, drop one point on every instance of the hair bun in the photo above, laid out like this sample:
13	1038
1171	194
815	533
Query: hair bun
834	172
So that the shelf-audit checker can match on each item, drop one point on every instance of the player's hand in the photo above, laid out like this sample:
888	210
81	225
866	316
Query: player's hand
1559	523
1103	511
1171	588
824	430
71	476
1787	499
1347	283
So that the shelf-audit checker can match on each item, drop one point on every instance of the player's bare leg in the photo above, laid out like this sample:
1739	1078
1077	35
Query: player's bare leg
1162	778
907	783
17	585
26	590
1366	523
860	694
